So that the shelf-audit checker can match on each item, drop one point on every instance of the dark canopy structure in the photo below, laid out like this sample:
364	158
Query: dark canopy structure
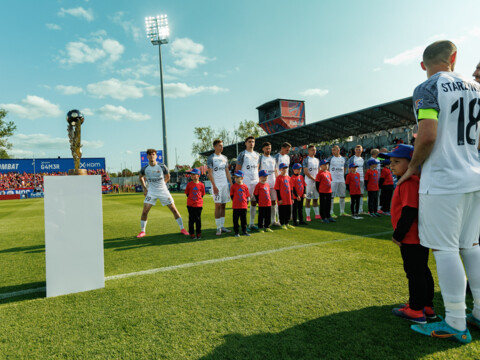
373	119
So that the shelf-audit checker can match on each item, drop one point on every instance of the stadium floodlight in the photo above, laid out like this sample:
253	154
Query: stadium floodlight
158	33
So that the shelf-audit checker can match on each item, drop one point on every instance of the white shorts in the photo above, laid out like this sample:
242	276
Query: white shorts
223	195
164	197
251	189
338	189
449	222
311	192
273	194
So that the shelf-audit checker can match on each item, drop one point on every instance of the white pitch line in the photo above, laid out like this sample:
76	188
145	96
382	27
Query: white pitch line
198	263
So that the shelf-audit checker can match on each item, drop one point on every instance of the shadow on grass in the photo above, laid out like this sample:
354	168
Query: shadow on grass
27	249
369	333
16	293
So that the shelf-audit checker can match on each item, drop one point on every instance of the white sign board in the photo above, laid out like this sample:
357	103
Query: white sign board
73	234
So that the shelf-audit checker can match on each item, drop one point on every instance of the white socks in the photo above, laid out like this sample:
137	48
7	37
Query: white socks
143	225
331	205
316	210
272	216
218	223
452	281
180	222
222	222
471	261
342	205
253	212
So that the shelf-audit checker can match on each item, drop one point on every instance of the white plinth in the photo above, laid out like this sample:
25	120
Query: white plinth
73	234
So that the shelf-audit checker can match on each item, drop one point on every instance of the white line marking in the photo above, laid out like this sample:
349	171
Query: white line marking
198	263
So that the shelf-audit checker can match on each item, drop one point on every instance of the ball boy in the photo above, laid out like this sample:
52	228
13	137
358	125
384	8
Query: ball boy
354	188
195	192
323	182
284	196
371	183
240	195
262	194
298	192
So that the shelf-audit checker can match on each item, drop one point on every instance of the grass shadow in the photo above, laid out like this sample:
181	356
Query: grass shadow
369	333
17	293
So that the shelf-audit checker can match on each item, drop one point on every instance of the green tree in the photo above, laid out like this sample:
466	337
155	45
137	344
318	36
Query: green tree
248	128
205	136
6	130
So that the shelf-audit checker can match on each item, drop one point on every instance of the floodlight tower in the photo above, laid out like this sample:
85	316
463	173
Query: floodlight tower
158	33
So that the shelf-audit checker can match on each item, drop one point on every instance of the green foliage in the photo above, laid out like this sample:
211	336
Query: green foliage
6	130
248	128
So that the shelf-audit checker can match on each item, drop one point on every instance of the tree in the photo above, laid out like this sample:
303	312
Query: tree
248	128
6	130
205	136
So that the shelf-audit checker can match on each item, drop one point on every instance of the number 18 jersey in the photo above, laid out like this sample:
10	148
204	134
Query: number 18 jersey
453	166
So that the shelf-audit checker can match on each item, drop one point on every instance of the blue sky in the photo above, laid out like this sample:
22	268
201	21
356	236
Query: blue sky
224	58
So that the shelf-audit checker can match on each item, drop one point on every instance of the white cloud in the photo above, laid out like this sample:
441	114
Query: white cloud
79	52
19	153
127	25
33	107
141	70
181	90
188	53
406	57
117	89
53	27
377	69
69	90
314	92
118	113
79	12
24	142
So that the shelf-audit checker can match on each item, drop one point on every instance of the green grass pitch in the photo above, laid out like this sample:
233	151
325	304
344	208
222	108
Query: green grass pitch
322	291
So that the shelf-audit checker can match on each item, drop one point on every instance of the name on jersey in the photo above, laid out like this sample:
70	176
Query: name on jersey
459	86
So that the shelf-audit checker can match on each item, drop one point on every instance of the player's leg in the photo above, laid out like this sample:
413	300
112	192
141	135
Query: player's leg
253	207
191	220
295	211
342	189
362	190
143	219
243	221
218	217
178	218
300	212
236	217
307	206
274	210
268	211
316	206
261	215
199	222
332	201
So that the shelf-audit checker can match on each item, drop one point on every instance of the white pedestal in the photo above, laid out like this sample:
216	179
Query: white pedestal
73	234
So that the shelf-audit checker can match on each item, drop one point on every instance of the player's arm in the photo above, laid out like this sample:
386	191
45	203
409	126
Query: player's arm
229	177
167	177
141	177
210	177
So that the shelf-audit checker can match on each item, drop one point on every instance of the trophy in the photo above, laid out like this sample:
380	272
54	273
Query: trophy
75	120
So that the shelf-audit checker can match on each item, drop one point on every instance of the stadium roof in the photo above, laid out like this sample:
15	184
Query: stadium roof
376	118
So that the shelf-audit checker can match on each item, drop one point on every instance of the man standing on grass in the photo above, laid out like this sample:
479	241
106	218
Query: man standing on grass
337	169
310	169
282	157
247	162
220	178
157	176
360	162
267	163
447	107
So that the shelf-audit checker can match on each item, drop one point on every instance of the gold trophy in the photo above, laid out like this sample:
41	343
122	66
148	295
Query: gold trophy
75	120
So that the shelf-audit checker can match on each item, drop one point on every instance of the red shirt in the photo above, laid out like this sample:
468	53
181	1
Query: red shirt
372	177
353	182
406	194
297	182
324	178
240	196
387	176
262	194
282	183
195	193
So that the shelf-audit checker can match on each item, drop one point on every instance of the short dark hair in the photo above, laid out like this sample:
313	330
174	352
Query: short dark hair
249	138
438	52
151	151
311	146
266	143
286	144
217	141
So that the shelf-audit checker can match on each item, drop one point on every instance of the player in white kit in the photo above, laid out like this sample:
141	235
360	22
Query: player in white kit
157	176
447	107
337	169
220	178
360	162
268	163
310	169
282	156
247	162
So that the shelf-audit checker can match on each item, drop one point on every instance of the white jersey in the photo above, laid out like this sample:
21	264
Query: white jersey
267	163
279	158
155	176
249	163
312	164
358	160
218	164
337	168
453	166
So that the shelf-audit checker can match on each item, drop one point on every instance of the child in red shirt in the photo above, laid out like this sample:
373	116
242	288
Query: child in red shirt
371	183
386	185
298	189
352	183
262	194
323	182
405	224
240	196
195	191
284	196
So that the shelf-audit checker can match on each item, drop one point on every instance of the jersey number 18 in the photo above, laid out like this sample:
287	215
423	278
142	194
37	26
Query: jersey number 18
472	120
